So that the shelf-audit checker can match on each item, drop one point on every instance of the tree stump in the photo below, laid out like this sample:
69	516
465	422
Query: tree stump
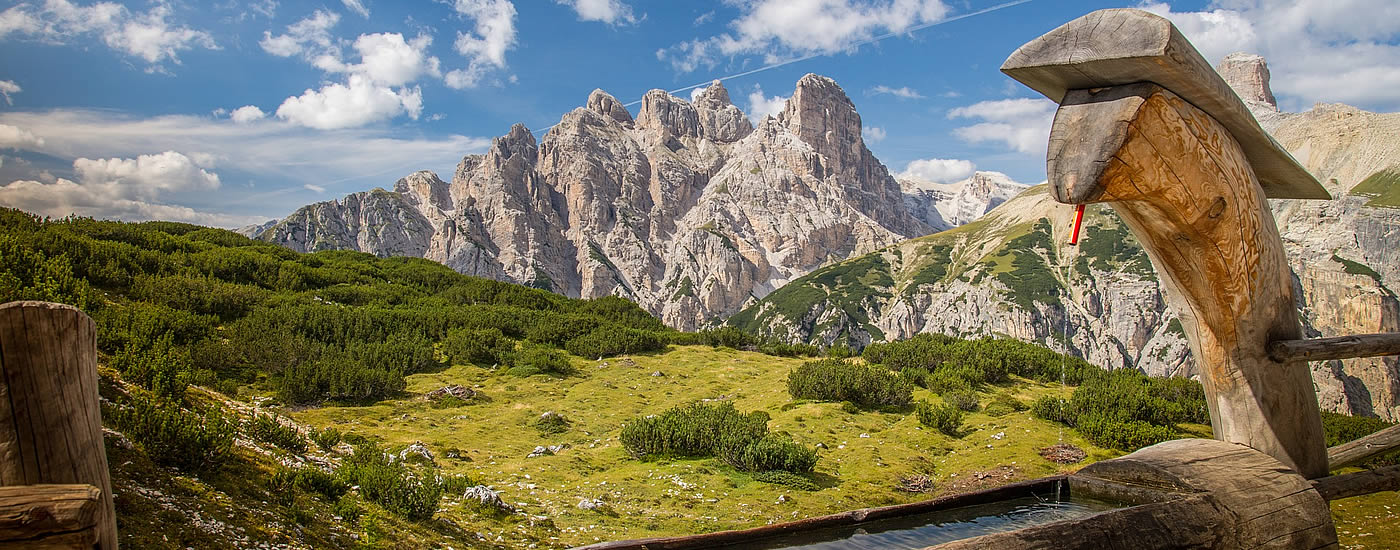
50	421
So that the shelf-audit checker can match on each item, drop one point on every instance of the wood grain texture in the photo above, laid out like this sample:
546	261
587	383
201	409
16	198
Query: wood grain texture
1261	502
1184	187
1363	449
49	517
1340	347
50	422
1359	483
1123	46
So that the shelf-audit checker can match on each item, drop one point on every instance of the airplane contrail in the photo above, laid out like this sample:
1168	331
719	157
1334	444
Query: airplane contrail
868	41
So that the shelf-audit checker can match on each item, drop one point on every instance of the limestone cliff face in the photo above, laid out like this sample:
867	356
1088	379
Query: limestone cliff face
945	206
1009	273
686	208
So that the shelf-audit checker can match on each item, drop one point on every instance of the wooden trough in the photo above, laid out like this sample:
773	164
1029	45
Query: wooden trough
1148	127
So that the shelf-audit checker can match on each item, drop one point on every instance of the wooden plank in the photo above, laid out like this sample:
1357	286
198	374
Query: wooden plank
49	516
50	422
1123	46
1365	448
1340	347
1359	483
1185	188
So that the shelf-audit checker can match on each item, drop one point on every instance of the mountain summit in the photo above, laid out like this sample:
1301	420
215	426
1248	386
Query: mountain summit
689	209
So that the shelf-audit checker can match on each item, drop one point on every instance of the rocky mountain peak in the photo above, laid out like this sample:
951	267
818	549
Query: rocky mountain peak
424	188
820	113
519	142
662	111
719	118
1248	74
605	104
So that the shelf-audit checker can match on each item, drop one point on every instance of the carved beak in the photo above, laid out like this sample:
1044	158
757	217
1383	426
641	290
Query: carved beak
1090	126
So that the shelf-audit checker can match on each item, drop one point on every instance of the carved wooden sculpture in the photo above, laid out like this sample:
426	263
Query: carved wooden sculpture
1143	126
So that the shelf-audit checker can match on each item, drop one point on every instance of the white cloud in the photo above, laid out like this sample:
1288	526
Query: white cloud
696	92
14	137
356	103
389	60
786	28
903	92
122	188
311	35
485	48
356	6
313	187
1318	50
246	114
761	106
148	36
284	155
873	134
939	170
611	12
1022	124
704	18
8	87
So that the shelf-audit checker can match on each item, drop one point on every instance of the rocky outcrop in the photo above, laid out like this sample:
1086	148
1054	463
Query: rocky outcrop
687	209
945	206
1248	74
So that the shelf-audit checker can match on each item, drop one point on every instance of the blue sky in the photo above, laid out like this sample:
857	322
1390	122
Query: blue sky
231	112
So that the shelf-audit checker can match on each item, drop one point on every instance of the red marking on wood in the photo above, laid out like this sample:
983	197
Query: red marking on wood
1078	218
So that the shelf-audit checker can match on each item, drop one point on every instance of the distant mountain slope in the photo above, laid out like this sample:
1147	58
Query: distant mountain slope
1010	272
945	206
687	209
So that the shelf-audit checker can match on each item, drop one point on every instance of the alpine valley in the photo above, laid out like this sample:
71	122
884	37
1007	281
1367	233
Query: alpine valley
791	228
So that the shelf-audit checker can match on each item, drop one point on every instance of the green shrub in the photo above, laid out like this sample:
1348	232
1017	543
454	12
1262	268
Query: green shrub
391	484
962	399
326	438
771	452
348	510
171	435
454	484
162	368
478	347
538	359
1341	428
786	479
310	480
838	380
1125	436
1051	408
552	423
944	418
267	429
610	340
700	430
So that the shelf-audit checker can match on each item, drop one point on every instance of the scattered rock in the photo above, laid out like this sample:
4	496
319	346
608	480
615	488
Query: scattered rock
865	436
483	496
1063	453
550	450
416	452
591	504
453	390
782	499
999	435
658	373
916	483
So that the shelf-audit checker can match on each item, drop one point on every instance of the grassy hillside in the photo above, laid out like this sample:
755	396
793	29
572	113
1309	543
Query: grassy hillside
1383	187
254	396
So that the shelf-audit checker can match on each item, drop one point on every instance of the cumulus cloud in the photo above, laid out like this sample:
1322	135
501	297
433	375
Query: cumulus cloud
1318	50
1021	124
121	188
14	137
283	154
8	87
939	170
356	6
147	35
873	134
493	34
761	106
785	28
612	12
311	35
903	92
389	60
246	114
356	103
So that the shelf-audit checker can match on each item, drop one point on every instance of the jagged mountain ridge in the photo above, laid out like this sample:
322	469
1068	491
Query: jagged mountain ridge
1010	273
947	205
688	209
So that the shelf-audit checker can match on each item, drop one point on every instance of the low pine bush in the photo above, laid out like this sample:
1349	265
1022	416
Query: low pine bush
786	479
962	399
944	418
482	347
538	359
839	380
770	453
267	429
309	480
391	484
609	340
171	435
700	430
326	438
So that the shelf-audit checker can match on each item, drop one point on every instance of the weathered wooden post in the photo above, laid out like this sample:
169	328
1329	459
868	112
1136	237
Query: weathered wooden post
1147	126
51	425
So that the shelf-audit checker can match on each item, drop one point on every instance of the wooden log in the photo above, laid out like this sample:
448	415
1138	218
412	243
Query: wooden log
50	423
1340	347
49	517
1123	46
1363	449
1185	188
1359	483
